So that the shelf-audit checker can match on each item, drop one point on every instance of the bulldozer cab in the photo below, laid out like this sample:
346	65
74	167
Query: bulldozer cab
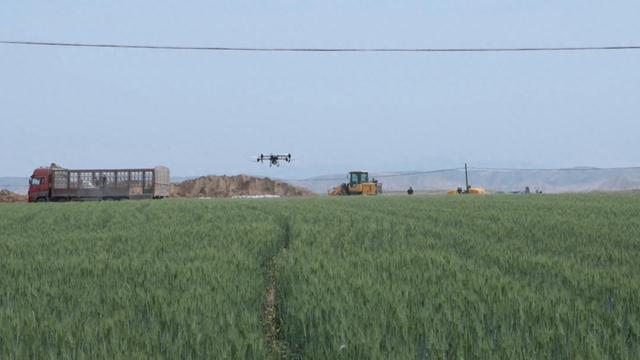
358	184
358	177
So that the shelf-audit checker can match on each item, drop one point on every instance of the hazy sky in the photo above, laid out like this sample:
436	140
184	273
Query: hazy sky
210	113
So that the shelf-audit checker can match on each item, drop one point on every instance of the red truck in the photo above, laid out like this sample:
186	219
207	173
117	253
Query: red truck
54	183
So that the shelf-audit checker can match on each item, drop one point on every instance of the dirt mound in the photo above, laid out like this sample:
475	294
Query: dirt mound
7	196
240	185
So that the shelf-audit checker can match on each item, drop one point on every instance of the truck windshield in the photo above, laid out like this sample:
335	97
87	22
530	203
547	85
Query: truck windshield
36	181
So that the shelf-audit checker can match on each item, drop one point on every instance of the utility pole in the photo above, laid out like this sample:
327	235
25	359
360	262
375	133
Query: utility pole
466	176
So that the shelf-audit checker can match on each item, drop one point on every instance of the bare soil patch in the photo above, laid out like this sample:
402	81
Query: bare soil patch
7	196
240	185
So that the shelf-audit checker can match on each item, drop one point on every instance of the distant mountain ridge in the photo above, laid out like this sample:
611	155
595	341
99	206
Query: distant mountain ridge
18	185
583	179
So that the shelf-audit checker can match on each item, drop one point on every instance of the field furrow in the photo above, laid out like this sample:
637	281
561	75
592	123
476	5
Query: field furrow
370	277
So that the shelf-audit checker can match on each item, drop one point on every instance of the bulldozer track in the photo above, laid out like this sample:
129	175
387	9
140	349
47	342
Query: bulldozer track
274	333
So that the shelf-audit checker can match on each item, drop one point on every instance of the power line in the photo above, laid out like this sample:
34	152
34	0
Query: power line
414	173
401	174
316	49
427	172
556	169
314	179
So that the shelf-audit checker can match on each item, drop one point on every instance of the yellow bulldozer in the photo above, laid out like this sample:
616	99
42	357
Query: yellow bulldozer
358	184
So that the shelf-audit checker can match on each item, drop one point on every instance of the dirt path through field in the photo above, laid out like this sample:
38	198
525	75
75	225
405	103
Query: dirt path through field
272	325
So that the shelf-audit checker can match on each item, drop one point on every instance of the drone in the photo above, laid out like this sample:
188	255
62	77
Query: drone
274	159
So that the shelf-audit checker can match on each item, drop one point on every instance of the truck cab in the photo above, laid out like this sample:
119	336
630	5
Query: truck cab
40	185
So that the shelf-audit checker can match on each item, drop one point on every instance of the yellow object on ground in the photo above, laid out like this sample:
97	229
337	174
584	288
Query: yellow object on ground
471	191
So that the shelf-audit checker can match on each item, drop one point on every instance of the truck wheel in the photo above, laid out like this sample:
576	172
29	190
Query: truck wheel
42	199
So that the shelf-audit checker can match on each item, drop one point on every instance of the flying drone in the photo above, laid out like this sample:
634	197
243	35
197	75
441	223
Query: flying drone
274	159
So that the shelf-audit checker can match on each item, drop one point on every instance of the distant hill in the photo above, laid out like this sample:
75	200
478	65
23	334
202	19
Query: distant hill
19	185
548	181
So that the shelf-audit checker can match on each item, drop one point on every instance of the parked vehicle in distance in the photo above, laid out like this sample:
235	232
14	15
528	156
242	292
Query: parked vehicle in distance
55	183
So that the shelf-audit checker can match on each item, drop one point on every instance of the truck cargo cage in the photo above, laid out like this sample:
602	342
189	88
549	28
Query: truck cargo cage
110	184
